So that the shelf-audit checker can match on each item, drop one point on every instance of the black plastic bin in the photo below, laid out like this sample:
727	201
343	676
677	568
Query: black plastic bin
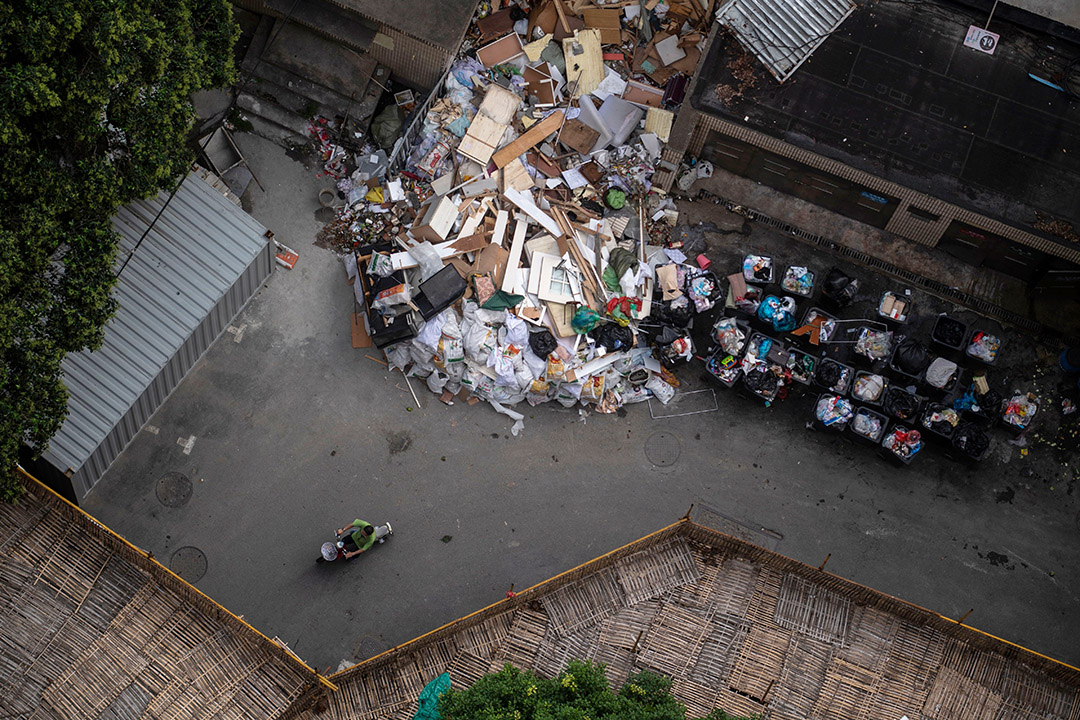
898	403
949	334
801	365
890	454
725	378
975	337
868	439
902	370
969	442
909	305
804	340
865	401
847	376
838	425
942	430
989	412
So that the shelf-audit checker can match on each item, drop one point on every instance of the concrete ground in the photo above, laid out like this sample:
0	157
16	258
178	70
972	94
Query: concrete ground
297	433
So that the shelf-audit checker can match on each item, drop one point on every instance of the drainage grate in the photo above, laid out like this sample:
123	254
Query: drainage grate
189	563
756	534
933	286
663	449
174	489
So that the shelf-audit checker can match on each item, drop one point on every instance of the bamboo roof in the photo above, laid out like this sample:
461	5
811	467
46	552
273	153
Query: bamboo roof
92	627
735	627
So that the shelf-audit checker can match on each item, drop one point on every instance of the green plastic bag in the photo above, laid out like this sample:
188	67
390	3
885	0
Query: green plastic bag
429	698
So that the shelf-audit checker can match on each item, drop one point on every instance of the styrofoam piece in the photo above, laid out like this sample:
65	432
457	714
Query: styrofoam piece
621	117
591	117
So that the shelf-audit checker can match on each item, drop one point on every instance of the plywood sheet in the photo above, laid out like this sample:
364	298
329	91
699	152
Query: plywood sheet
584	61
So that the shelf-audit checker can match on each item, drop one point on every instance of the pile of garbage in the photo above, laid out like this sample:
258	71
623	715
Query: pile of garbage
520	251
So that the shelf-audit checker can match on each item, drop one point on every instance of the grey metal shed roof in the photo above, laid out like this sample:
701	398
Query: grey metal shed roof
783	33
195	252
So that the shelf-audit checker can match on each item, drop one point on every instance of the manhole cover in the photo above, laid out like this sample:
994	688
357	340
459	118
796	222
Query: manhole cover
662	449
174	489
189	563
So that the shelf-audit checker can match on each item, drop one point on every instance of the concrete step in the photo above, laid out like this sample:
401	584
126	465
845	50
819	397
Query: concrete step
327	19
319	59
257	45
268	77
275	133
285	119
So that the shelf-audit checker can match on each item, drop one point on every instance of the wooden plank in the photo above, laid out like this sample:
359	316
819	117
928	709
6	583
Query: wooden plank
500	51
448	249
525	203
585	68
659	121
531	137
482	138
510	275
501	220
578	136
606	20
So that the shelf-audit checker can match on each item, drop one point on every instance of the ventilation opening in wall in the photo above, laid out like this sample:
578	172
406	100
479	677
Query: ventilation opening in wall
924	215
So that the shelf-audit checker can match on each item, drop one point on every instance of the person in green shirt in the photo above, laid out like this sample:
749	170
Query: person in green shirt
361	535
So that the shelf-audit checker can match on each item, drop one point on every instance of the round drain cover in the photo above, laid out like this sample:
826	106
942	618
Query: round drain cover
174	489
189	563
662	449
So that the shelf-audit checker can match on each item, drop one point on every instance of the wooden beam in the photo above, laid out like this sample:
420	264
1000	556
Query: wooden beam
511	273
525	203
531	137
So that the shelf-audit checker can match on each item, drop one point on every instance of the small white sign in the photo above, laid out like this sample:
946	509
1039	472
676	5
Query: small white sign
982	40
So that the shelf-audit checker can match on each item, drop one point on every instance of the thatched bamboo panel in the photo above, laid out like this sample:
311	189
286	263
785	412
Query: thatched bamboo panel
467	669
869	638
583	603
652	572
696	596
734	703
955	697
523	641
719	650
766	597
847	692
985	668
760	660
556	651
699	699
619	662
915	657
483	639
807	608
628	626
434	659
1039	696
795	694
673	640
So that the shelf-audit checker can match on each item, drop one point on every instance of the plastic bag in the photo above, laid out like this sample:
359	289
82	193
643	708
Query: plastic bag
940	373
780	313
833	410
450	349
592	389
661	390
868	387
539	392
543	343
900	403
556	368
678	312
380	265
612	336
567	394
839	288
911	357
728	335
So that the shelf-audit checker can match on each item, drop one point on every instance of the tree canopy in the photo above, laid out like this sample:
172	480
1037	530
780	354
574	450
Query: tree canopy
95	112
580	692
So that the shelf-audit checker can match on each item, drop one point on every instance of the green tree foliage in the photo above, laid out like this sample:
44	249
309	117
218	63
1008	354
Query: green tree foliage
94	113
580	692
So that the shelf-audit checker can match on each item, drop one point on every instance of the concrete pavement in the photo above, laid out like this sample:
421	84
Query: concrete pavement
297	432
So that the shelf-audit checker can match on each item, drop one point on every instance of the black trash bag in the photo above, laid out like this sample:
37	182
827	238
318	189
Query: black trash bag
761	381
910	357
949	332
612	336
990	403
543	343
839	287
900	403
829	373
941	427
970	440
677	313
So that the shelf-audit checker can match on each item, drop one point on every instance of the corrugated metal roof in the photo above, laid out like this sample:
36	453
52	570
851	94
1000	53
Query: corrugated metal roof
783	33
195	252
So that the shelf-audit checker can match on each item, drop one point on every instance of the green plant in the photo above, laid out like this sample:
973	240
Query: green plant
580	692
94	113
